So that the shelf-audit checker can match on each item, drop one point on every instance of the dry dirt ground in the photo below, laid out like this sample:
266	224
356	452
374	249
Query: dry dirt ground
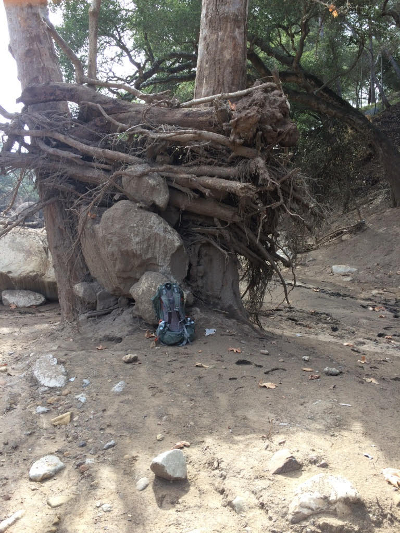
347	423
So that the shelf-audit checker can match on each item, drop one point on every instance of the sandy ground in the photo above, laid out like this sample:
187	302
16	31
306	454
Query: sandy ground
234	426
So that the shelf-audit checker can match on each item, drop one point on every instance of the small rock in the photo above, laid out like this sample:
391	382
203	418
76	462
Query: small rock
332	371
45	468
160	437
119	387
48	372
264	352
106	507
3	368
130	358
82	444
170	465
110	444
142	483
62	420
85	382
57	501
40	409
81	398
322	464
282	462
343	269
306	358
238	504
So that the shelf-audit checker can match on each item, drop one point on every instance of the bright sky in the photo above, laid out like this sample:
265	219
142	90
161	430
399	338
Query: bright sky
10	88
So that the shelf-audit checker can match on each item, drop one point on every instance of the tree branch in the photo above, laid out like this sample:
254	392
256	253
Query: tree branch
93	34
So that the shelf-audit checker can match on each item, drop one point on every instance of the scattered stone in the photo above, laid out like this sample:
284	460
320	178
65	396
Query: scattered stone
119	387
40	409
45	468
322	464
57	501
322	493
238	505
110	444
21	298
3	368
84	468
306	358
62	420
82	444
8	522
106	507
347	278
142	483
85	382
170	465
282	462
343	269
81	398
264	352
332	371
48	372
130	358
160	437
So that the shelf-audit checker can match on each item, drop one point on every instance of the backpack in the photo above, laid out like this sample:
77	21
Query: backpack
169	306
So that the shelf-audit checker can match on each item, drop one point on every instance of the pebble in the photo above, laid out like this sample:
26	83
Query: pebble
62	420
142	483
282	462
40	409
160	437
57	501
106	507
238	504
130	358
82	444
264	352
332	371
81	398
85	382
3	368
119	387
306	358
110	444
45	468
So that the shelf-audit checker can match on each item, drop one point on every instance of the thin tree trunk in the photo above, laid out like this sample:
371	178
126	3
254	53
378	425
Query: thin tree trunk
33	51
221	63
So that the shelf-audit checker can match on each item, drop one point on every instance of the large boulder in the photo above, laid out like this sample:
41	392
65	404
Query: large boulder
26	263
146	187
21	298
143	291
125	242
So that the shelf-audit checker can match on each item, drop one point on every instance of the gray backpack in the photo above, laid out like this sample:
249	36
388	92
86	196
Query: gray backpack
169	306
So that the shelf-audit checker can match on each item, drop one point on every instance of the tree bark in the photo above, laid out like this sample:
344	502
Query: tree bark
33	51
221	63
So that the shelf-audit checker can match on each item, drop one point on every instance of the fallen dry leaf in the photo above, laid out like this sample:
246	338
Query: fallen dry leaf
316	290
314	376
100	347
200	365
388	337
149	334
348	344
235	350
307	369
392	476
382	316
268	385
181	444
379	308
371	380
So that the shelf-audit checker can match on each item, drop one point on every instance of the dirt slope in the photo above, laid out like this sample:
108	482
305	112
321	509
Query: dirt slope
346	424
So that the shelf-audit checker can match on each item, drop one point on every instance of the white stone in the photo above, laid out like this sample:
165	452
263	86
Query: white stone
21	298
106	507
320	493
142	483
119	387
48	372
170	465
45	468
40	409
57	501
343	269
238	504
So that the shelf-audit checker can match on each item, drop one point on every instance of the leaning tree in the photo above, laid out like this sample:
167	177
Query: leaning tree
217	155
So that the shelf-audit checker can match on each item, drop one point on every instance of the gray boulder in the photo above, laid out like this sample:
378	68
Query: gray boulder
143	291
125	242
145	186
21	298
323	493
170	465
86	292
26	263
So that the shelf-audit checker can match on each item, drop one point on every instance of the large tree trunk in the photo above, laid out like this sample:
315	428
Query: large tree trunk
33	51
221	68
221	62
